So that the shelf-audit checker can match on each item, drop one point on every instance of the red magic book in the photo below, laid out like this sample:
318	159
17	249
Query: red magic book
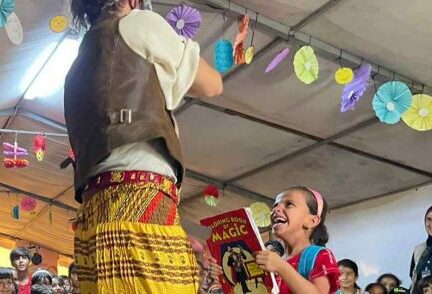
234	240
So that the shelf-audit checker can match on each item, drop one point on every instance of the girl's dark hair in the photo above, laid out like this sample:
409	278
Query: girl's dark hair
391	276
85	12
372	285
72	269
19	252
424	283
319	234
41	277
352	265
349	264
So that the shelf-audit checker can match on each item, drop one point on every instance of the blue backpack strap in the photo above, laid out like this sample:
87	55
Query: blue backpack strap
307	260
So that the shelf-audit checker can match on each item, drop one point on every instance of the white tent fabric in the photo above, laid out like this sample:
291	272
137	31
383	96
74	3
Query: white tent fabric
264	134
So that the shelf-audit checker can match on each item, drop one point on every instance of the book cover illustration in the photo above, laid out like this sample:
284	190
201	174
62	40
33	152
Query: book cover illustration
233	242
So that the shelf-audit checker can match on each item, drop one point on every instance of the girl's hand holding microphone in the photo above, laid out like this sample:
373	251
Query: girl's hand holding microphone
269	261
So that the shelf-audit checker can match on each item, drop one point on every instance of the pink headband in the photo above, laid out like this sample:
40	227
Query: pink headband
319	200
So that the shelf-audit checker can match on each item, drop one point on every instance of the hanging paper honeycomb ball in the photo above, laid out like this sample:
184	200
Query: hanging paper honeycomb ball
223	56
211	195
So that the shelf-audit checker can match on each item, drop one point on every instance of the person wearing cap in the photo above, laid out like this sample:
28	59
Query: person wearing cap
131	73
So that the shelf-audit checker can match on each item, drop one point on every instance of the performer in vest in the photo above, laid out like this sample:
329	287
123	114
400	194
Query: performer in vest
131	72
421	262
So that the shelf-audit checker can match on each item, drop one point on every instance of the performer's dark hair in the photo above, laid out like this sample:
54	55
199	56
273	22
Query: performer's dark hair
85	12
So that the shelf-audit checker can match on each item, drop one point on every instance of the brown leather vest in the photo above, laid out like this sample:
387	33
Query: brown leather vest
113	98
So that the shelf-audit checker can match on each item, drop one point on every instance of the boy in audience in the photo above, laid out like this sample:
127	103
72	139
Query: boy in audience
20	260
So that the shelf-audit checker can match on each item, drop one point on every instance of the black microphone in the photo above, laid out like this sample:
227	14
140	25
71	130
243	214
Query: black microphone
275	246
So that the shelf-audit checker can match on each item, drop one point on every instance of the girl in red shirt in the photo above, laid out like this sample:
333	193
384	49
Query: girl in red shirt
298	217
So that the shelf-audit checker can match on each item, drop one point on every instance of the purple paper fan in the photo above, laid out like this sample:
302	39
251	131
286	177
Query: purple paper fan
355	90
184	20
277	60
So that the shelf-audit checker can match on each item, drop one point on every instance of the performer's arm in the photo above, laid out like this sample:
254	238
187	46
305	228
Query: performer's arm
207	83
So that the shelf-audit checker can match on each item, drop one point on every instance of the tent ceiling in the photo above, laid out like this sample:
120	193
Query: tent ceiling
265	133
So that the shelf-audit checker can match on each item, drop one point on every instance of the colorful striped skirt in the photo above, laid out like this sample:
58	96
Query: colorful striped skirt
128	240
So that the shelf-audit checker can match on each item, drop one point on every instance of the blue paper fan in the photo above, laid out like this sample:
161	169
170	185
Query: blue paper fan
391	101
6	8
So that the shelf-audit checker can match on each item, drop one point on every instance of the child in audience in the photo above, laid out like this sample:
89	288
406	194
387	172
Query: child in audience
20	260
297	218
7	284
376	288
425	285
41	277
348	277
389	281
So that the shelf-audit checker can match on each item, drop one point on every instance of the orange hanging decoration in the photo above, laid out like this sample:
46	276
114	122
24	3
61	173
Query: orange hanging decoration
39	146
239	57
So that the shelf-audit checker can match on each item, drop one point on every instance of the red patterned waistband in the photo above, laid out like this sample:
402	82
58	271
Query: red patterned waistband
112	178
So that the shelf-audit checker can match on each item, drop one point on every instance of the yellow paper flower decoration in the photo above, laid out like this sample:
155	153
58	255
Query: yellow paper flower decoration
344	75
306	65
261	214
419	115
58	23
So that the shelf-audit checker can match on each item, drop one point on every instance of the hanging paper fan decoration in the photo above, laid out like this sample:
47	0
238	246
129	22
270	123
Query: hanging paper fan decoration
28	204
15	151
277	60
344	75
14	29
223	56
419	115
39	146
58	23
261	214
239	56
306	65
354	91
391	101
184	20
6	8
211	195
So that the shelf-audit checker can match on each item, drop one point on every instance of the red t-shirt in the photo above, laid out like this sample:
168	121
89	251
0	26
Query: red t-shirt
25	289
325	266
